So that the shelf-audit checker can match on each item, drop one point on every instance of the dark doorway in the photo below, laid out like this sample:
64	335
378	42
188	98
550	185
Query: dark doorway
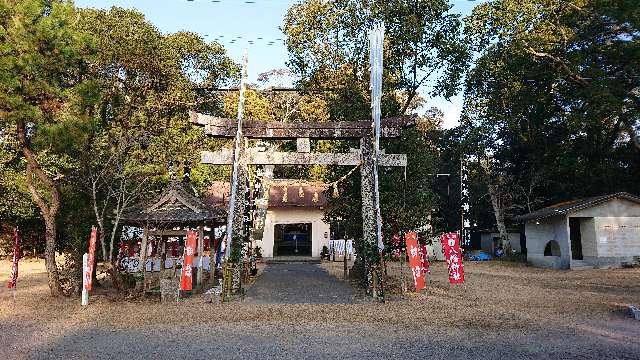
576	238
292	240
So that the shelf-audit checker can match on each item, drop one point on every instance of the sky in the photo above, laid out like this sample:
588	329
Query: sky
247	25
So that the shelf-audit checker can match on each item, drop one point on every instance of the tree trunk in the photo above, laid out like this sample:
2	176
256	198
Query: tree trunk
499	215
50	256
99	219
494	194
48	210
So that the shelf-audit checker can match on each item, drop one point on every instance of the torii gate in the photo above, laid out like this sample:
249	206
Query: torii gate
304	132
369	155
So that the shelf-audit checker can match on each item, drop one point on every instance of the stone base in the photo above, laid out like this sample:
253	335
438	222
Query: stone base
169	289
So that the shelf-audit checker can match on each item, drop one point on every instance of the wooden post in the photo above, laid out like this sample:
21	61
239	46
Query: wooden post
200	253
85	293
370	226
344	259
143	257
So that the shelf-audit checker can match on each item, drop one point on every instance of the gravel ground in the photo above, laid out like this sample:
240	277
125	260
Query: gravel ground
505	311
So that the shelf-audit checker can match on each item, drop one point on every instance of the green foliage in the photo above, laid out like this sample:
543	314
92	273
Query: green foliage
554	98
14	202
328	47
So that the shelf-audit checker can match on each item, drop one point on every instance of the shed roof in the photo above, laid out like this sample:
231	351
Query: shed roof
568	207
175	205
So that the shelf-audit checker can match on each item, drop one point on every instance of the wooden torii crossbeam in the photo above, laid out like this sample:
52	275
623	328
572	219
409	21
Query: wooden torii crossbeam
330	130
226	128
254	156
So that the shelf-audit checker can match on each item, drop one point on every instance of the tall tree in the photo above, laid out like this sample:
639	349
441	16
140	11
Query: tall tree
41	74
146	83
553	98
328	47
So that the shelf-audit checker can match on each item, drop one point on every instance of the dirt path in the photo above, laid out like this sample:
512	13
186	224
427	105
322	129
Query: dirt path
299	283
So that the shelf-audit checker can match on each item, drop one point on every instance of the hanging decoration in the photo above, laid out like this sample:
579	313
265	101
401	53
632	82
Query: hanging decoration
334	185
285	193
315	197
300	192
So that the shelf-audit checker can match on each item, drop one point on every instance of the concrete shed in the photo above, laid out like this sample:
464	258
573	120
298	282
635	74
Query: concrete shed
602	231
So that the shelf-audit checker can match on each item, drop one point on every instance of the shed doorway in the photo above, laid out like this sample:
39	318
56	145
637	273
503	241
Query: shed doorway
292	239
576	238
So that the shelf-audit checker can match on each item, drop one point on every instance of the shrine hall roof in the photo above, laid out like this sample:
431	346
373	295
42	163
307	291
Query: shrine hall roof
313	194
176	204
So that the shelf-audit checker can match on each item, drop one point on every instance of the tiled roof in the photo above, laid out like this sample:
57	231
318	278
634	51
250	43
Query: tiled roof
176	204
569	207
313	194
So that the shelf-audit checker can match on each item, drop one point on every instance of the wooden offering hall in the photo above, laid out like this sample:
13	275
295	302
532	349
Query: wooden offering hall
165	221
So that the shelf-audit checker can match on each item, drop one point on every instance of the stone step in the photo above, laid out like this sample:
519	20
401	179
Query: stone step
292	260
586	267
580	265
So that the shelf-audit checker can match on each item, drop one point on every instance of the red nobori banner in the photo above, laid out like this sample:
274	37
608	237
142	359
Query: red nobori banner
452	254
186	278
88	275
16	257
415	261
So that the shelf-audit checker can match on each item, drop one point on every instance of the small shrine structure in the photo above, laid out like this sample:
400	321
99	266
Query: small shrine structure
165	221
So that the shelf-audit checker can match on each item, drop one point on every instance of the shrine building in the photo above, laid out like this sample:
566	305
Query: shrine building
293	225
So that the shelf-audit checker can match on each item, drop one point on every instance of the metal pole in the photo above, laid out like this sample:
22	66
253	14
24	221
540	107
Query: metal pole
236	160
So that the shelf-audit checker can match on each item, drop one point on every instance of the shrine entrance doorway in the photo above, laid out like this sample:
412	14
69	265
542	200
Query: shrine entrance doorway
293	239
